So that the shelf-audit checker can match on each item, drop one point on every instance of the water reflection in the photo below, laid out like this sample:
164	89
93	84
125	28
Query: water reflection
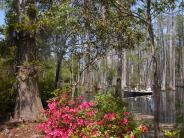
166	108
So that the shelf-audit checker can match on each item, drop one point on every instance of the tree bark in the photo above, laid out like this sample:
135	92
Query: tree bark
182	52
163	57
156	79
182	62
28	102
118	92
58	69
123	75
171	57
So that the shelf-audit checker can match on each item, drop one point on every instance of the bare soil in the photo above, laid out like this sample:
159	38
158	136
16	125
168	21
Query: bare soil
19	130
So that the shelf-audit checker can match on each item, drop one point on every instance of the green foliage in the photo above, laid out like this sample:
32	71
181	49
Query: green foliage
46	87
32	11
171	133
46	81
107	103
66	88
7	94
111	72
59	17
65	73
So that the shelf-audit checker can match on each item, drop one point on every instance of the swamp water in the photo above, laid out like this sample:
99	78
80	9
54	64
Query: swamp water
165	110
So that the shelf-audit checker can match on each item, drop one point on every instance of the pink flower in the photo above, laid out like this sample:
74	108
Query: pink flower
81	97
106	117
70	118
95	123
71	102
73	110
132	136
84	105
91	103
66	109
126	113
101	122
66	118
128	131
87	122
110	116
125	121
91	113
52	106
73	125
43	111
143	128
80	122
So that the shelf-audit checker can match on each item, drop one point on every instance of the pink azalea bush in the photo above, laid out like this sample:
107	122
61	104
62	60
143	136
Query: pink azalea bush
67	118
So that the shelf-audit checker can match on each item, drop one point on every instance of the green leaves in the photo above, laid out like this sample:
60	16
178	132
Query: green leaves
32	11
107	103
170	134
139	10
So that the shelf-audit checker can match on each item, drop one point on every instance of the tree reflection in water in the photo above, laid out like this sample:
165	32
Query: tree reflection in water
167	109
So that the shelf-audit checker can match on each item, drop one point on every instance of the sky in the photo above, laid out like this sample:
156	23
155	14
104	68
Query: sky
2	16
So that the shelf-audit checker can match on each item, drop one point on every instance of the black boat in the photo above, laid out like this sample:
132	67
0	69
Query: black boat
134	93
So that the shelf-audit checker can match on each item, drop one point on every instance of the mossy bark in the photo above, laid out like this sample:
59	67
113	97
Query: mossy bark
28	102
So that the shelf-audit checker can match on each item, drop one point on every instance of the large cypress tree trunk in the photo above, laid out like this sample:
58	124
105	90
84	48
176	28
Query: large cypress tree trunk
28	102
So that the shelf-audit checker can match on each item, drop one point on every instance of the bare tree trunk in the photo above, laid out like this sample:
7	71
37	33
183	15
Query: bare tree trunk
72	71
173	56
149	69
139	68
73	81
58	69
182	52
123	78
118	91
182	63
171	75
83	73
156	79
163	57
89	72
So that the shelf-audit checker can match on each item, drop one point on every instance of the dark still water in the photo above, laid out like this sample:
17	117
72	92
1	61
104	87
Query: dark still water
165	110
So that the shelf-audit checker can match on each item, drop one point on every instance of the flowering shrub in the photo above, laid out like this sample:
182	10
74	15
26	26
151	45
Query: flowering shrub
141	129
77	119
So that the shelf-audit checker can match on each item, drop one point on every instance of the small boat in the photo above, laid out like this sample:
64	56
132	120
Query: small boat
134	93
